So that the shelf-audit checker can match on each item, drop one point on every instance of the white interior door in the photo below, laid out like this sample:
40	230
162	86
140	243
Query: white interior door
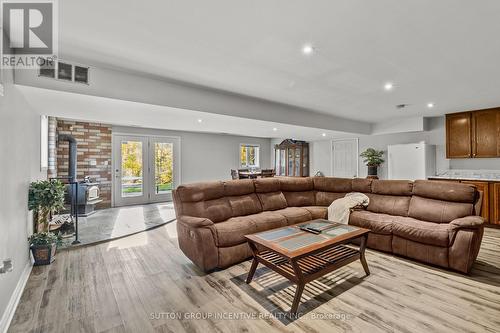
146	169
345	158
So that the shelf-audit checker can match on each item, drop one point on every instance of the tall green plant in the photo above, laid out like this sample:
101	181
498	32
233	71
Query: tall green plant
45	198
372	157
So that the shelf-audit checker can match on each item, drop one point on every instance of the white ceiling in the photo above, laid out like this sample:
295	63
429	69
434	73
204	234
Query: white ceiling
445	51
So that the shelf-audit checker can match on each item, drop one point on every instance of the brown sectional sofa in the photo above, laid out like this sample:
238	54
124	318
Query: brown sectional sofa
430	221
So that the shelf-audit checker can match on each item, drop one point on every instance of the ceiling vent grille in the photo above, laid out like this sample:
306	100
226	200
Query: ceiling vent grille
65	71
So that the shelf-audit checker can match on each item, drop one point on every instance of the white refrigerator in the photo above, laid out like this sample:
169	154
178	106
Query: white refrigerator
411	161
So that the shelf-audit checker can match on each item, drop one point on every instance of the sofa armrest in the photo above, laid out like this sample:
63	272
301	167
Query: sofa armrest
468	222
195	222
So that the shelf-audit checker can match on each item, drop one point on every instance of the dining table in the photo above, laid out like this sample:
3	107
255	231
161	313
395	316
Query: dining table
249	174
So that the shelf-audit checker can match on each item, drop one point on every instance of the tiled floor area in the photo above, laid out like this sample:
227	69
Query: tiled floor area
112	223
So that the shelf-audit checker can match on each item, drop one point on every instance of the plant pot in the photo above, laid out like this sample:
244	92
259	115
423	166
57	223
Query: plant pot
44	254
372	170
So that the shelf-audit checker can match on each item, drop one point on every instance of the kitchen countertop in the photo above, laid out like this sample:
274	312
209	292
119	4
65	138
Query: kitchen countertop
477	175
492	179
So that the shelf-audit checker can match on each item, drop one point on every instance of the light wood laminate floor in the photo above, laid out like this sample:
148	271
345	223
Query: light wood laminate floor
144	283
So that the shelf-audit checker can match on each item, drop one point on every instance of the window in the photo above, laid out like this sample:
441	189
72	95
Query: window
249	155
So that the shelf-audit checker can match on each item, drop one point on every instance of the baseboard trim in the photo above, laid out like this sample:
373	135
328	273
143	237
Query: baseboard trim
15	298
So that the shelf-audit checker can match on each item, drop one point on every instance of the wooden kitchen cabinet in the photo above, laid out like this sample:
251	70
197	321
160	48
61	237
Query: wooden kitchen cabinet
495	203
485	189
474	134
459	135
485	131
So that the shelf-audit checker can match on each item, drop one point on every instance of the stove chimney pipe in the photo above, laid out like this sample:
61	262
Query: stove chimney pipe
72	155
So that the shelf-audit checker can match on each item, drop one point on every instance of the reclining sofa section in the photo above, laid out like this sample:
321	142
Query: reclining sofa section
431	221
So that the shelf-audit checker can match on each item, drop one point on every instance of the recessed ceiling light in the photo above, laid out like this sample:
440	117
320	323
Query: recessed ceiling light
275	129
200	120
388	86
307	49
323	134
430	105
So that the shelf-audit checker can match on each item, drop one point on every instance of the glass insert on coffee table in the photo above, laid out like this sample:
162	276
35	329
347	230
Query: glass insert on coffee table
306	251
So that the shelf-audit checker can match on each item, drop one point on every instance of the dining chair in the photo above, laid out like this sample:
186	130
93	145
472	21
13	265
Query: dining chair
266	173
234	174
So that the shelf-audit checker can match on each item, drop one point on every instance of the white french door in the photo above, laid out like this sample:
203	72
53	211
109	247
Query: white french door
146	169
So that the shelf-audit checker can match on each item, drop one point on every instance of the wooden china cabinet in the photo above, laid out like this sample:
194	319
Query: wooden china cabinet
292	158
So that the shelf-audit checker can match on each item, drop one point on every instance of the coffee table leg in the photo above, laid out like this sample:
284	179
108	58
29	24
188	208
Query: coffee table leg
255	262
252	270
362	258
296	299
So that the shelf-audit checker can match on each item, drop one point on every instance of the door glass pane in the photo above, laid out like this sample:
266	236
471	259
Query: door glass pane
132	170
163	167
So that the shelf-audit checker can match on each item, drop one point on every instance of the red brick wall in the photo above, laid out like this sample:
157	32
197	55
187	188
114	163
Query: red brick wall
93	153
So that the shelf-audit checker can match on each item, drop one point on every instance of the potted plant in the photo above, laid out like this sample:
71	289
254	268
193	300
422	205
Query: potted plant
373	159
45	198
43	245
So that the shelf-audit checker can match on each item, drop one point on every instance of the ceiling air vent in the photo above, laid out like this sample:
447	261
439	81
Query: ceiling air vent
65	71
402	106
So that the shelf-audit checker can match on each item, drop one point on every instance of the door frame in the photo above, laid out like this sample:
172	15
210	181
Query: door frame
356	140
176	166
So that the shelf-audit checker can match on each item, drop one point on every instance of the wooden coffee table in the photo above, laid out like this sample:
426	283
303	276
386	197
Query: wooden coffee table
301	256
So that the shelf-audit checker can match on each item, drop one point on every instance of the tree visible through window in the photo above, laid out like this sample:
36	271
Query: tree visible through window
249	156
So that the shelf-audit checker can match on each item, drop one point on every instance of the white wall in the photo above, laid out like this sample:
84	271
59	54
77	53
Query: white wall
19	164
206	156
434	134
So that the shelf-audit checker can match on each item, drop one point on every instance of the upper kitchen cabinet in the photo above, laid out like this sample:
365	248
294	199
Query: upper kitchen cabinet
473	134
458	135
485	131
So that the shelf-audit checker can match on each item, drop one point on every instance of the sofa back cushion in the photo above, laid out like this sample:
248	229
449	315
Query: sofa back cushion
331	184
389	204
299	199
326	198
392	187
242	198
447	191
438	211
266	185
204	200
363	185
296	184
272	200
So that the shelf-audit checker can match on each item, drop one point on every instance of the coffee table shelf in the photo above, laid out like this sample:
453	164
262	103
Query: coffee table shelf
311	266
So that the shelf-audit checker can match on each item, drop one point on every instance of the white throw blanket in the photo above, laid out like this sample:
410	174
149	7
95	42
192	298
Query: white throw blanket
340	209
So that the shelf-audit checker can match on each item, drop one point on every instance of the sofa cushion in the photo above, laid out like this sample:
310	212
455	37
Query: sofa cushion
245	204
295	215
447	191
296	184
216	210
389	204
317	212
437	210
232	231
200	191
392	187
326	198
421	231
363	185
272	200
268	220
238	187
265	185
330	184
377	223
298	199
